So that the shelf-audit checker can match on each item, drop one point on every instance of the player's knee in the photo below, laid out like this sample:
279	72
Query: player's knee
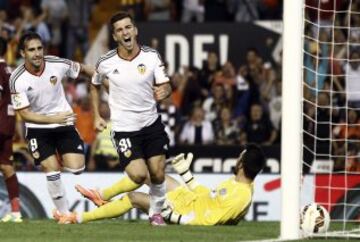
138	178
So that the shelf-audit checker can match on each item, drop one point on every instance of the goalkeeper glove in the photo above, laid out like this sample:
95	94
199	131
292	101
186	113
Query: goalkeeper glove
182	164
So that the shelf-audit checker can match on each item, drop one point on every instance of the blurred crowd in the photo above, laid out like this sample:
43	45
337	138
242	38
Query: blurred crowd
331	83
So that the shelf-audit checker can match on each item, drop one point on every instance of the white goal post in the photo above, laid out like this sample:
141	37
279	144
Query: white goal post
291	148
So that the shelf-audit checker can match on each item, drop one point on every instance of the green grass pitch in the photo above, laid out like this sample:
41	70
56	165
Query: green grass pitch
119	230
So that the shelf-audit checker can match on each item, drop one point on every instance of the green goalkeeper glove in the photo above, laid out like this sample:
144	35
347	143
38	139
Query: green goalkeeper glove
182	164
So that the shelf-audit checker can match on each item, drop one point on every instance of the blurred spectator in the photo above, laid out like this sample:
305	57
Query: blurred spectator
32	22
242	96
179	83
159	10
55	13
258	129
214	103
176	9
328	8
193	9
352	162
227	131
352	83
104	156
85	123
316	67
209	68
197	131
78	23
170	117
226	76
275	106
245	10
139	9
347	130
192	94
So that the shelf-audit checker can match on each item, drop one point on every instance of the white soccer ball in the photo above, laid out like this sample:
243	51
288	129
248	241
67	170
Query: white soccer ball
314	218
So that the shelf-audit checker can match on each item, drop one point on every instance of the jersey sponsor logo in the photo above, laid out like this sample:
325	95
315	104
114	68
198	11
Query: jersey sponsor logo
80	147
141	68
16	99
29	89
53	80
115	71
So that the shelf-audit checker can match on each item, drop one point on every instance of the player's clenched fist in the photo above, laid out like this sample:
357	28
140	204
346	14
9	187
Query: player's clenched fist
161	92
100	124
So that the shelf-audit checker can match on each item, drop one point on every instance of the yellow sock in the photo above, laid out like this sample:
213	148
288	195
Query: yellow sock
109	210
124	185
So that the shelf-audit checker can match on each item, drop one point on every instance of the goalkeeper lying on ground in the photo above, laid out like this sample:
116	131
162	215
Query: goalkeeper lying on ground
192	204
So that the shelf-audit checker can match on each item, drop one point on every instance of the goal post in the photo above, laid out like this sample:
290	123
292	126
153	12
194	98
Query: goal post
291	140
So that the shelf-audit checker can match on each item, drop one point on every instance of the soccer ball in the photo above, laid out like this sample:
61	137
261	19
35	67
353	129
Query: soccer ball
314	218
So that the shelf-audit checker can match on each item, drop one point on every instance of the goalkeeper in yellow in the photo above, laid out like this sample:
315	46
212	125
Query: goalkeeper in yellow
190	204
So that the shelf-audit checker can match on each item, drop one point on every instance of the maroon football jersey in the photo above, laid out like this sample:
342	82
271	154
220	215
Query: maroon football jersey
7	115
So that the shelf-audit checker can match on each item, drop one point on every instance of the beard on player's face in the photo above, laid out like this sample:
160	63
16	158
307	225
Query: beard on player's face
34	53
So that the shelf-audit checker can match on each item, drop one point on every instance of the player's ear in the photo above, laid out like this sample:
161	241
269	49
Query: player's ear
136	30
114	37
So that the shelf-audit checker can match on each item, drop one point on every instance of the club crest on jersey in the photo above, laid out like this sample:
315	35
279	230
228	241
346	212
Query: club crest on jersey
36	155
53	80
127	153
141	68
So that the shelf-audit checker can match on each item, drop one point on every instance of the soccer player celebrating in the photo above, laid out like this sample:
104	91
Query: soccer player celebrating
7	129
38	96
192	203
137	80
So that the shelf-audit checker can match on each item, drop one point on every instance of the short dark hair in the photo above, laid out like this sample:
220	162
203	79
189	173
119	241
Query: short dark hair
253	160
26	37
119	16
3	46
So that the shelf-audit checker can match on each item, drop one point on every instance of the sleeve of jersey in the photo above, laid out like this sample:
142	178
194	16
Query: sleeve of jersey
74	69
19	98
98	77
160	72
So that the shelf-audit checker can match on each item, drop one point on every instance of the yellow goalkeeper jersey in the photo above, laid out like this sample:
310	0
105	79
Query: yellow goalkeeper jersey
227	204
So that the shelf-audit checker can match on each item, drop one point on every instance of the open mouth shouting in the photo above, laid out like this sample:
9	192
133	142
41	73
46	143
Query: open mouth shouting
127	42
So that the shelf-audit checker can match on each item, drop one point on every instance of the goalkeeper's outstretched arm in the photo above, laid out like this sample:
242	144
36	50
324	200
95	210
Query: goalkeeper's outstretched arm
182	166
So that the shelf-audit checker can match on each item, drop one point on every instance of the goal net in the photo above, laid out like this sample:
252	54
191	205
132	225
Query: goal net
331	111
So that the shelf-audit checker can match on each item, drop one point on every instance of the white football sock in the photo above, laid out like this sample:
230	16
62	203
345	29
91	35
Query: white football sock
57	191
157	198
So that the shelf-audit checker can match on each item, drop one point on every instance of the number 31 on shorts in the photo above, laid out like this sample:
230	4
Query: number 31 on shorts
124	144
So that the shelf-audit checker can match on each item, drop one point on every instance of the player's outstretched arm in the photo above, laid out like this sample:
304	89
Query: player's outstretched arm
87	70
181	165
99	122
66	118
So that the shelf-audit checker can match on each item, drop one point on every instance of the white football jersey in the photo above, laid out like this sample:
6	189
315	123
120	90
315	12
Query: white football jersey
43	94
131	97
